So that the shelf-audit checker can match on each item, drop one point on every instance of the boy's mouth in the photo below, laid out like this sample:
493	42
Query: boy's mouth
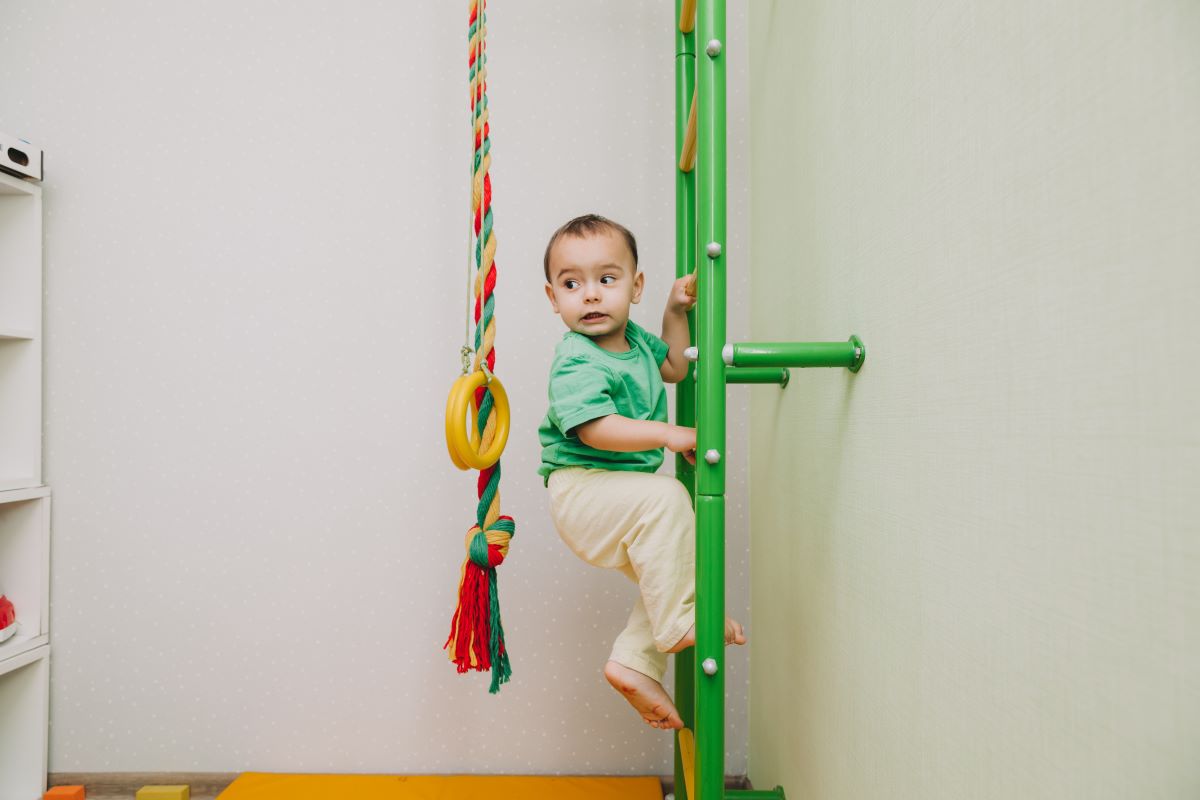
595	316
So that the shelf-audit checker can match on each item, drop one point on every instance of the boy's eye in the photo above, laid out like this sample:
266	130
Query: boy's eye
608	279
570	283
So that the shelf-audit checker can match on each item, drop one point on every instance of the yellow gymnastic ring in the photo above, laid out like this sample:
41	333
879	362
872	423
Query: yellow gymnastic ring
452	427
475	438
462	453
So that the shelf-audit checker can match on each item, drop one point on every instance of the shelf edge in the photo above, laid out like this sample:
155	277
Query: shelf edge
35	649
19	495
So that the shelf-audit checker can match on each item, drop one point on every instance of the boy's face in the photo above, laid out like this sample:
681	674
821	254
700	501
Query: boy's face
593	281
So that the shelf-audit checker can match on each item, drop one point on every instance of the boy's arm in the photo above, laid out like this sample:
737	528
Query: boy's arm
675	330
624	435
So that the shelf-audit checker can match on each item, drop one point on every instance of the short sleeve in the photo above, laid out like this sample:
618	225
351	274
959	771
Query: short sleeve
580	391
658	348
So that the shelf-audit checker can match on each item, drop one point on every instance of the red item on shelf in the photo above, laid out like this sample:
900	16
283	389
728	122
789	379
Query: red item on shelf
8	615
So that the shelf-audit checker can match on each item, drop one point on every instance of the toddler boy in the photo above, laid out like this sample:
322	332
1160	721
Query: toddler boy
602	441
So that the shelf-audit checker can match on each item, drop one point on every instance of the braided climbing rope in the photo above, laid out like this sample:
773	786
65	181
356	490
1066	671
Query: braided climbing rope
476	635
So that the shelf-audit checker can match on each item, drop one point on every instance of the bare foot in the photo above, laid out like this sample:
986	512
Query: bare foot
734	634
646	695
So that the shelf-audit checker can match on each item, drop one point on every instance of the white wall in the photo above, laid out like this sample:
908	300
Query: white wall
255	243
976	562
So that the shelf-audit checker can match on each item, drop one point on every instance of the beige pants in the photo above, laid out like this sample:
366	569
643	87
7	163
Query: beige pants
643	525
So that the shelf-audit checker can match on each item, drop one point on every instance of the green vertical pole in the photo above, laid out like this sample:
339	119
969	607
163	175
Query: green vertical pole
685	391
710	429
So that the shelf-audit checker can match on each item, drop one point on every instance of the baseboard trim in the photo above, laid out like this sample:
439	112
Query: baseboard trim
130	782
731	782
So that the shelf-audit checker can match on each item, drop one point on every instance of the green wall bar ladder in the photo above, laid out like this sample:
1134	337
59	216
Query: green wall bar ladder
710	209
685	390
700	247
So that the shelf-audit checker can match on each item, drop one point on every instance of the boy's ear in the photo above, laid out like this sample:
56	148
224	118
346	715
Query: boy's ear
639	282
550	294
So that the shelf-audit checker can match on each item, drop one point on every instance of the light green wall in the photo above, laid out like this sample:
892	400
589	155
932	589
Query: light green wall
976	565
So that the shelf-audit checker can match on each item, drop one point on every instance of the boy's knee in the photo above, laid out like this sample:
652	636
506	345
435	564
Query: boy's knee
671	504
679	494
665	493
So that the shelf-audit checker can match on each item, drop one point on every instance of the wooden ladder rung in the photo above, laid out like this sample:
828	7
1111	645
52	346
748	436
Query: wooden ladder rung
687	754
687	16
687	159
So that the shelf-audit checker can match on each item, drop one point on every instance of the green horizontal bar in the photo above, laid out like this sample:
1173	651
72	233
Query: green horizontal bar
757	375
755	794
849	354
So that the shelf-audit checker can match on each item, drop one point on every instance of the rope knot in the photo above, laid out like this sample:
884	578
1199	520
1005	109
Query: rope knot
487	548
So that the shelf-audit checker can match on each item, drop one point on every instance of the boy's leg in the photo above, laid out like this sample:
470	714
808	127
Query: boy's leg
641	524
636	668
634	647
661	548
597	515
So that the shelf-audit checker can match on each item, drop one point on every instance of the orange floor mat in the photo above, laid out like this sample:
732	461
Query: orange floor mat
273	786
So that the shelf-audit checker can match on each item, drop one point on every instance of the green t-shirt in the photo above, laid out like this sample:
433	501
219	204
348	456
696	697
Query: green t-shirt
586	382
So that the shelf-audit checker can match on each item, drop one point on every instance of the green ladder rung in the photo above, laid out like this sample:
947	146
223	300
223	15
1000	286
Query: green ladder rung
849	354
757	375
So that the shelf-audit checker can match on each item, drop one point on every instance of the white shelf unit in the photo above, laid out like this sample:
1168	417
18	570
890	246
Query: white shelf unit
24	698
24	501
20	333
25	568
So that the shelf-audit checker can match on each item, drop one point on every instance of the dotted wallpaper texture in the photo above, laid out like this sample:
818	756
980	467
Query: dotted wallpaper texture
256	216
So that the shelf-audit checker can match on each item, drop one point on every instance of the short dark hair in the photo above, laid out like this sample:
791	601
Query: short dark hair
589	225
